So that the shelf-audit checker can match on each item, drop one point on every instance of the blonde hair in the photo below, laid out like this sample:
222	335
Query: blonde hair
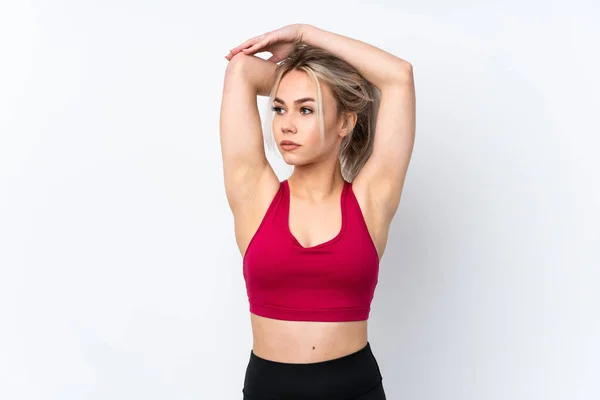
352	92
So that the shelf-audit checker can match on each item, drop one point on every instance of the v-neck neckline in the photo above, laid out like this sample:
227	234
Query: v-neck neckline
288	199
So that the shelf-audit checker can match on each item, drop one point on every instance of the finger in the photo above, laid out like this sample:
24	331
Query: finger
250	50
255	47
247	44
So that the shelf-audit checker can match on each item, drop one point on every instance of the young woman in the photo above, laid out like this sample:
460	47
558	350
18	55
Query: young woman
311	245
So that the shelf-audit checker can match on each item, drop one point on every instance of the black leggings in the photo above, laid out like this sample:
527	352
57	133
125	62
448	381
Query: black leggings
352	377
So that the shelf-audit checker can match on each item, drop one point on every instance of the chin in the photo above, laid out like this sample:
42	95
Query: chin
292	159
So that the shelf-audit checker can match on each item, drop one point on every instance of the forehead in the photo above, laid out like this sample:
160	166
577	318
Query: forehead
296	84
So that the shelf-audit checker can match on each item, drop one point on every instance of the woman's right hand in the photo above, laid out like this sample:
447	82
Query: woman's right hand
279	43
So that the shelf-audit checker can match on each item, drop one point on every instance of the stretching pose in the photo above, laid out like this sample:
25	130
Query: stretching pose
343	114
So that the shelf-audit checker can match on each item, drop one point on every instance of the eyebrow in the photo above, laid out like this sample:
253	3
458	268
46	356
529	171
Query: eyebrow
299	101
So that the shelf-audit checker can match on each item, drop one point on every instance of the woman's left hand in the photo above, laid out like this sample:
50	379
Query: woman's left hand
279	43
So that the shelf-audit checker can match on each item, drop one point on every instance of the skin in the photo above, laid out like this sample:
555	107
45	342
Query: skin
313	162
316	183
315	217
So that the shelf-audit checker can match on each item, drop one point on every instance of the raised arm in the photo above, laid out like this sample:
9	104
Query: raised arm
383	174
244	159
381	179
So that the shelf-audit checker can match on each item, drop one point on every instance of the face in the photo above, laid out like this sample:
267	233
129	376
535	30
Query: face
295	119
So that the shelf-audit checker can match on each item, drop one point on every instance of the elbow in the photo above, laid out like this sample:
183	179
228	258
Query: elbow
400	78
237	62
404	73
400	74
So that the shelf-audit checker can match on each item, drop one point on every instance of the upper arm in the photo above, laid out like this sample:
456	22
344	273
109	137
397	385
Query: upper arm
242	148
382	176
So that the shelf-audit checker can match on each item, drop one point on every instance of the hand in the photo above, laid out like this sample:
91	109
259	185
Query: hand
279	43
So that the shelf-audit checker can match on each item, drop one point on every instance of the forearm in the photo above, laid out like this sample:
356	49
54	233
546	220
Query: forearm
258	72
375	65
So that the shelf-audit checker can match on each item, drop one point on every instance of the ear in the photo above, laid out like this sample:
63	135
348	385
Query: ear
349	123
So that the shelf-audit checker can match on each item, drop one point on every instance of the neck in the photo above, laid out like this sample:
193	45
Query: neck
316	183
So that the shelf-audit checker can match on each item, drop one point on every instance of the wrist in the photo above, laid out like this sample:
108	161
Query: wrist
307	31
258	72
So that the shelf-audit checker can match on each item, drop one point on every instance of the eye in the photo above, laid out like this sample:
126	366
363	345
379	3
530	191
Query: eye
276	109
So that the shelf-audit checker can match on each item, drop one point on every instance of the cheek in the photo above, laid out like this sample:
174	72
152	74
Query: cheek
307	125
314	139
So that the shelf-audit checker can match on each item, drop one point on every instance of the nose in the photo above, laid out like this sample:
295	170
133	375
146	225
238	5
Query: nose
286	123
288	130
288	127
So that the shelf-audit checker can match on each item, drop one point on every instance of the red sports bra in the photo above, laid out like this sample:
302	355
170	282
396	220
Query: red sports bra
331	281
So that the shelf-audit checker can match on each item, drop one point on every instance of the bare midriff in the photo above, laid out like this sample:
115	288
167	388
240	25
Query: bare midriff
301	342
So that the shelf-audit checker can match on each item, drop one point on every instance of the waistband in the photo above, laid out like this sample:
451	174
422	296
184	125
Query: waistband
339	378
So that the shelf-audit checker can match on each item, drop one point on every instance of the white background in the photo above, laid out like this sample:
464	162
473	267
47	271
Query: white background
119	273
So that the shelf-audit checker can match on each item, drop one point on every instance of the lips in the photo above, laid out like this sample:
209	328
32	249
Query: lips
288	145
